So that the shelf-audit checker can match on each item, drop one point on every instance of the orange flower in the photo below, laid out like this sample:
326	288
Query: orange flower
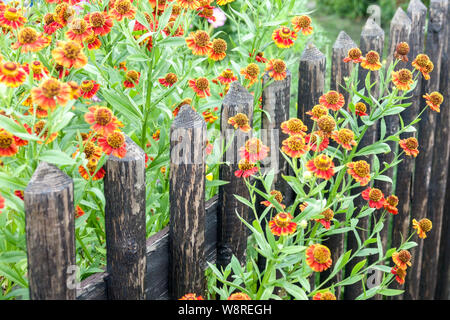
168	80
79	30
284	37
402	51
89	88
332	100
2	203
189	4
240	121
278	198
317	111
11	74
63	13
294	126
92	41
360	171
354	55
391	204
239	296
209	117
69	54
190	296
79	211
371	61
100	22
403	79
410	146
200	87
226	77
259	57
326	125
51	93
434	100
318	257
246	169
178	106
114	143
254	150
328	215
327	295
276	69
28	40
360	109
11	17
43	134
427	70
39	70
400	274
218	49
156	135
294	146
311	141
303	24
19	194
123	9
50	25
322	166
374	196
199	42
423	226
402	259
131	78
8	146
422	64
93	172
102	120
345	138
251	72
281	224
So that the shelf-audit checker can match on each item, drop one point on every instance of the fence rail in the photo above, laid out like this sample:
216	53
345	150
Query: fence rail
172	262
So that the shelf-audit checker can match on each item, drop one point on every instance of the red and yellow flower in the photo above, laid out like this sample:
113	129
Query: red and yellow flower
284	37
276	69
251	72
123	9
240	121
327	295
434	100
410	146
318	257
361	109
226	77
168	80
39	70
345	137
51	93
100	22
317	111
8	146
403	79
200	87
354	55
92	171
89	88
400	274
79	30
371	61
322	166
293	127
12	17
79	212
102	120
28	40
69	54
402	259
254	150
190	296
328	215
360	171
332	100
311	141
239	296
391	204
302	24
375	197
246	169
44	134
422	226
218	49
209	116
131	78
326	125
282	225
93	42
12	74
421	63
199	42
278	197
295	146
114	143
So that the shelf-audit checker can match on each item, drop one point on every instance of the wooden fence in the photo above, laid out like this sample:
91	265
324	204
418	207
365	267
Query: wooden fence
172	262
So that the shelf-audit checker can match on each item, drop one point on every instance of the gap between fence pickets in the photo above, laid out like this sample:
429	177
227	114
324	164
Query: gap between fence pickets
157	255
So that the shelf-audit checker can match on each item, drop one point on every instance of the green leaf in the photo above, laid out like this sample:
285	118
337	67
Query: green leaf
358	267
376	148
294	290
351	280
293	249
390	292
342	261
216	183
244	201
367	252
57	157
408	245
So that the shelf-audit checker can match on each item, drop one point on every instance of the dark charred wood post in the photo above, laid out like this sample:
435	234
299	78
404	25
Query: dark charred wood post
50	233
339	70
187	204
443	285
124	188
417	13
399	32
311	82
429	168
232	234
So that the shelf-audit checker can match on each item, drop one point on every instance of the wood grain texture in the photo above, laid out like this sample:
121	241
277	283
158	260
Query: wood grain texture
124	188
430	171
311	82
187	204
417	13
157	270
372	38
232	233
50	233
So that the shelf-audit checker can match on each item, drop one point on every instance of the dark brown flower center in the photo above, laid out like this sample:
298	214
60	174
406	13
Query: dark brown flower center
361	168
103	116
241	119
245	165
404	256
319	110
392	200
253	70
354	53
436	98
97	19
279	66
422	60
328	214
375	194
412	143
296	143
326	123
425	224
295	125
79	26
27	35
332	97
202	84
132	76
122	6
51	88
116	139
403	48
219	45
404	76
6	139
303	21
321	253
72	50
372	57
361	107
345	135
201	38
323	162
278	195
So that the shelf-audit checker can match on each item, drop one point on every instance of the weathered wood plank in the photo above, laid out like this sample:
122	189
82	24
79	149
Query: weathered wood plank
124	188
187	204
50	233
